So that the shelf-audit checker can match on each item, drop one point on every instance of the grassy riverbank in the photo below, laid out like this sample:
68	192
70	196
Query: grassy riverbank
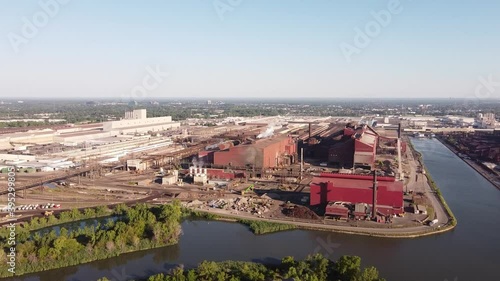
263	227
256	226
186	213
453	220
136	228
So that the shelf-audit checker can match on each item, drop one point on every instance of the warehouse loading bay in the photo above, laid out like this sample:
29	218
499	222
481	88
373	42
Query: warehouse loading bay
337	171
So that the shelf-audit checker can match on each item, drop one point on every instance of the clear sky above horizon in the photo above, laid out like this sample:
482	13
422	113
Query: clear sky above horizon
253	49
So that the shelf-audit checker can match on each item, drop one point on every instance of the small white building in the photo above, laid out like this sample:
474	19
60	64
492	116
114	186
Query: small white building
169	180
199	174
136	164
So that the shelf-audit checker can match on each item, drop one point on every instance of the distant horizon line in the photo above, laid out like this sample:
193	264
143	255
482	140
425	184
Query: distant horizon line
232	98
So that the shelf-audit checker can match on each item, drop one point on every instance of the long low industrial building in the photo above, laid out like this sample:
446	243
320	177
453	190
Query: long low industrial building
356	189
136	122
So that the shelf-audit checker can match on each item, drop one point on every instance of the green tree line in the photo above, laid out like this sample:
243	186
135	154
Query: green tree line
313	268
136	228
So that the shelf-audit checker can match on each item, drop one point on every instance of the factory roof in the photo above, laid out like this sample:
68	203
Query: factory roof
368	139
146	125
112	139
81	133
31	133
368	136
262	143
91	125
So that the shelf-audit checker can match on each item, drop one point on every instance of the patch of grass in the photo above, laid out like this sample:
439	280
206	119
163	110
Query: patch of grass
262	227
186	212
430	212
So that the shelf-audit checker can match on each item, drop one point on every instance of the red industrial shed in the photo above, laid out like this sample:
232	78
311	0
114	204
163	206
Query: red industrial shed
358	189
265	153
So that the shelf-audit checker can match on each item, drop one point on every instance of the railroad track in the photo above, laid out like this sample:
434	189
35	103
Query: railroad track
48	179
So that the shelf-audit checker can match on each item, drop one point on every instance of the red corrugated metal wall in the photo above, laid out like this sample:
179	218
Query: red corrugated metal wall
260	157
238	156
324	192
360	146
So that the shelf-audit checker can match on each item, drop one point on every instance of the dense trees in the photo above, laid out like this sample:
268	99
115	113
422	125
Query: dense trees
313	268
133	228
17	124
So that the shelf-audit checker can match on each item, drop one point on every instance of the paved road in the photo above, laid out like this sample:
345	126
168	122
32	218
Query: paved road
421	185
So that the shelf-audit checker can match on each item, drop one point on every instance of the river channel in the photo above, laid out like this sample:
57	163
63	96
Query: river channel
471	251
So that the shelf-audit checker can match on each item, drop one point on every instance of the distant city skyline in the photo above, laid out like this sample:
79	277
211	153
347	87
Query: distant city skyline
133	50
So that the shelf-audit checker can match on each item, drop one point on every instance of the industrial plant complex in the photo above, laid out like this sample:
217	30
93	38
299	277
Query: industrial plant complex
333	171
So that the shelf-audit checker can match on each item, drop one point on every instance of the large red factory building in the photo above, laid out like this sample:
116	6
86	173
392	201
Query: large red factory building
358	189
265	153
358	147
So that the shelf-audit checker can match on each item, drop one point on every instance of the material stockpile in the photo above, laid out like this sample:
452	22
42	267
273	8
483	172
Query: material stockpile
242	204
299	212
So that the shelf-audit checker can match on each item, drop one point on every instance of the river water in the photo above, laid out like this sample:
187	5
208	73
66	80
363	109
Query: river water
469	252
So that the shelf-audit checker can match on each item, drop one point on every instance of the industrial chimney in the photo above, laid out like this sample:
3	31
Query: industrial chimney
400	169
374	207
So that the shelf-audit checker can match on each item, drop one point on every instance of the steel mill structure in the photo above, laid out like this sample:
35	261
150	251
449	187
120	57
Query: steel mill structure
359	189
357	147
271	152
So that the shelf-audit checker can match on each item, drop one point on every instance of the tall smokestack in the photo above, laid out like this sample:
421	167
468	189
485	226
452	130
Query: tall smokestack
400	169
301	161
374	209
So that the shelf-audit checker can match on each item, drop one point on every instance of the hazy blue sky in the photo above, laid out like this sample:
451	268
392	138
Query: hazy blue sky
259	48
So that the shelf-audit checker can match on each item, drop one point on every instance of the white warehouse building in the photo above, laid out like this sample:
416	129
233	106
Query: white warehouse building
136	122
